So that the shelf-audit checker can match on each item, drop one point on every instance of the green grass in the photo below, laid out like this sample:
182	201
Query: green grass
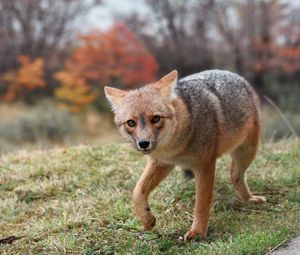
78	201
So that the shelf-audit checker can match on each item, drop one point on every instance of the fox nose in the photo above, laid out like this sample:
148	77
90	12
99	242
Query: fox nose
144	144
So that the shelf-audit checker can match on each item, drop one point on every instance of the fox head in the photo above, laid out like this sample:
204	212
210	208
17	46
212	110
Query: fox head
145	116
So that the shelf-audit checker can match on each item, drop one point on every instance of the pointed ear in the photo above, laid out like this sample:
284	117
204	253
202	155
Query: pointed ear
165	84
114	96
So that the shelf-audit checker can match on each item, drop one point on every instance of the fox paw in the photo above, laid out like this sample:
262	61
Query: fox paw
192	234
257	200
149	221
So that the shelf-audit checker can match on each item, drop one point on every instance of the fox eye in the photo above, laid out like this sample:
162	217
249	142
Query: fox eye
155	119
131	123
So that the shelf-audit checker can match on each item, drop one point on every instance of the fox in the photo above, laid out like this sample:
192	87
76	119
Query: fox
190	122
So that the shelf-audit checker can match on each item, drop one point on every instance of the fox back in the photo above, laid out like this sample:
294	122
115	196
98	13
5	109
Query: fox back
222	105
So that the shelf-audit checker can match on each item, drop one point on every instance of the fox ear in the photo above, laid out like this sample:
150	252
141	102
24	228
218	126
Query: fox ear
114	96
165	84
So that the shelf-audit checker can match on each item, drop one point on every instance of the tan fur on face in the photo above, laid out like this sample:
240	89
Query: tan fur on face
146	102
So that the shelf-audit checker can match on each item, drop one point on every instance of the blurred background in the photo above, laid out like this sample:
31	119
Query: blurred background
57	55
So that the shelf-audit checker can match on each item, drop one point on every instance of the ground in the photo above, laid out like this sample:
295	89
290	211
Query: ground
78	201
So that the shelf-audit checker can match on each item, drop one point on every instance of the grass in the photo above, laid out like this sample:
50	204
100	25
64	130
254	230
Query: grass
78	201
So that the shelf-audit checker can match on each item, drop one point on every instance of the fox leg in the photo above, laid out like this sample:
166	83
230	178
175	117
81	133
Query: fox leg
242	156
153	174
204	180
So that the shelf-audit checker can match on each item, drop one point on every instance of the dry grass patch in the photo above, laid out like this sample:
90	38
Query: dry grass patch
78	201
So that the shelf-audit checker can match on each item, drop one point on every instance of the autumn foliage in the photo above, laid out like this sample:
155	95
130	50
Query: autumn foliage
74	90
260	40
115	57
29	76
279	58
279	49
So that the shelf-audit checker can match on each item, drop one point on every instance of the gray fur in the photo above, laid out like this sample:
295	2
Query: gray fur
233	93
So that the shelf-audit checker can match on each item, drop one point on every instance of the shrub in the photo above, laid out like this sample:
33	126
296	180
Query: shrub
44	122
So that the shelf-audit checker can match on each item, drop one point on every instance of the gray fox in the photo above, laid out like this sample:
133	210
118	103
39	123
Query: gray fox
190	122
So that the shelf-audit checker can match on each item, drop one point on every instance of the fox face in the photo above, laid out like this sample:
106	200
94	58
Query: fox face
145	116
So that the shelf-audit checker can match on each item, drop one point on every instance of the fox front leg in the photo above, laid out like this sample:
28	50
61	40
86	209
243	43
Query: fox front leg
152	175
204	180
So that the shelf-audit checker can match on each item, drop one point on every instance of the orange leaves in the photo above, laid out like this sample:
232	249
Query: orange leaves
116	54
290	58
279	51
280	57
29	76
115	57
74	91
